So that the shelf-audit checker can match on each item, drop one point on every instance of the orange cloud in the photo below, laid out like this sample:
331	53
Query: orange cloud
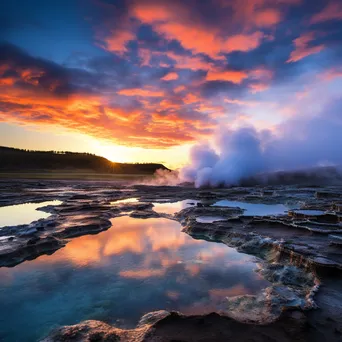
4	67
141	92
242	42
231	76
261	78
191	98
261	74
116	41
256	13
177	22
179	89
7	81
169	104
332	73
145	56
268	17
333	11
150	13
199	40
31	76
170	76
258	87
188	62
302	48
216	110
92	115
192	37
28	75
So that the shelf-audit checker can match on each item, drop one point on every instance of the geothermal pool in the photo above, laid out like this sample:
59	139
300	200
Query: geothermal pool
15	215
250	209
173	207
124	201
209	219
255	209
137	266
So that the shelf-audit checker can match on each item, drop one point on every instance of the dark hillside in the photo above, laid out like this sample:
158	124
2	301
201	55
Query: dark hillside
12	159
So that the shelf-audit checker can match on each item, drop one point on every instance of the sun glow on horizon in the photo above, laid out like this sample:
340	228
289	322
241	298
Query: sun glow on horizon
57	139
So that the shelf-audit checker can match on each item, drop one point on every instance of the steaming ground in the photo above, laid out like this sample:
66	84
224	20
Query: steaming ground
300	145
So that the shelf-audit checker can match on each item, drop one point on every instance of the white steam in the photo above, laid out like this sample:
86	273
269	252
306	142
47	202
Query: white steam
239	154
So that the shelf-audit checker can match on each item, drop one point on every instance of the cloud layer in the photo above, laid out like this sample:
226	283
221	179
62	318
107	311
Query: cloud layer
163	73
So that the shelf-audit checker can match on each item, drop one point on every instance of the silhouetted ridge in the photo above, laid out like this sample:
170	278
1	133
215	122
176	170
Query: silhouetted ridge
13	159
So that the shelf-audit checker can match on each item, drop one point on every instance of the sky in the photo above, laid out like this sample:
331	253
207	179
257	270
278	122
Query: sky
144	80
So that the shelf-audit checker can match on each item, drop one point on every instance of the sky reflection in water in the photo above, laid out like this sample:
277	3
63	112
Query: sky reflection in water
309	212
255	209
172	208
14	215
209	219
124	201
135	267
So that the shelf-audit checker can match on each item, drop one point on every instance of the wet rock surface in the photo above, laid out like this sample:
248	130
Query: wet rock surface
163	326
299	253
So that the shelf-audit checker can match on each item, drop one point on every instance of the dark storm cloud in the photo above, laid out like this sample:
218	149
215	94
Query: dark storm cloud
30	72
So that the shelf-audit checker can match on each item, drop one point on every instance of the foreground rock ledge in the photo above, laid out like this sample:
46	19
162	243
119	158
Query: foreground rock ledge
166	326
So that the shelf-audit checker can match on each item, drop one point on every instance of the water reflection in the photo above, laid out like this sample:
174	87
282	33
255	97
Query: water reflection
308	212
209	219
255	209
124	201
14	215
172	208
135	267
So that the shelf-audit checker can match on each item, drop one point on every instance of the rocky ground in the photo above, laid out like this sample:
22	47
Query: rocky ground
300	253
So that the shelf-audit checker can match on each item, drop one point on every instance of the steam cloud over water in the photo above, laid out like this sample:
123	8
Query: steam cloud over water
240	156
298	143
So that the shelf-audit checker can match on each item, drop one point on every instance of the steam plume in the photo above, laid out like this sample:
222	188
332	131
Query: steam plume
299	143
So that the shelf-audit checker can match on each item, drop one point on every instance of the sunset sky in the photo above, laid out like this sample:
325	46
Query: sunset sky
142	80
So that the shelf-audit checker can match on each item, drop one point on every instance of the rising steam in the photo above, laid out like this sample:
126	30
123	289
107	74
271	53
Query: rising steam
246	152
238	155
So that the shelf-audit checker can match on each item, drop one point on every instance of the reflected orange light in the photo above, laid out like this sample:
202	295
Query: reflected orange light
238	290
142	274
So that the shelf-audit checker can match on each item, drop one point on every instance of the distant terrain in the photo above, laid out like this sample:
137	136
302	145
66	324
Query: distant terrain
67	164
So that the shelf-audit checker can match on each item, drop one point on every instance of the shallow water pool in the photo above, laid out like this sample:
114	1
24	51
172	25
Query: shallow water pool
135	267
255	209
308	212
172	208
14	215
124	201
209	219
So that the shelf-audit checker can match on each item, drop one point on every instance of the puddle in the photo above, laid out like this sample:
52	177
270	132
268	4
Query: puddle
59	189
255	209
209	219
6	238
163	200
15	215
172	208
308	212
135	267
123	201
